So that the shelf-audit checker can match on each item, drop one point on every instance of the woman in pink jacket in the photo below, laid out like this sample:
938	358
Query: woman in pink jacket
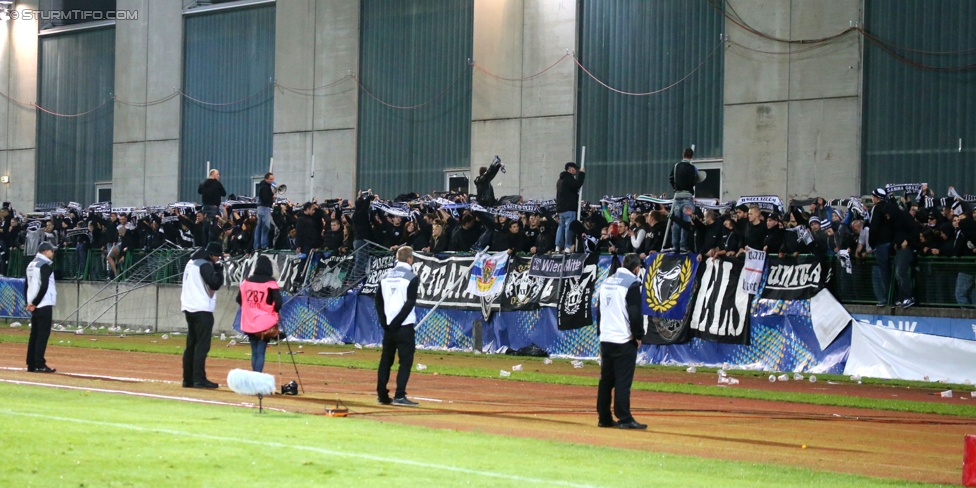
260	301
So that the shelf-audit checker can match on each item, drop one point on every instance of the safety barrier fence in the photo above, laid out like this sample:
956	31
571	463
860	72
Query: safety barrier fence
936	281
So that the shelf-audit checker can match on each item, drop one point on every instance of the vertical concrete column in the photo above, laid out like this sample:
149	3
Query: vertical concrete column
148	68
792	120
316	55
496	98
18	123
529	123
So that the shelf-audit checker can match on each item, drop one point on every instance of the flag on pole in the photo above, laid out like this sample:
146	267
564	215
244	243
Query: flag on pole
488	274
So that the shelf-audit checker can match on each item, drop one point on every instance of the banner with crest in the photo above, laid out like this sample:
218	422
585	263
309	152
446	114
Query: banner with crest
526	292
576	298
666	291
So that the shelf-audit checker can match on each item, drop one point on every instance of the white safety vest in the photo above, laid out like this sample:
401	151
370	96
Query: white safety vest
34	282
394	289
614	319
196	296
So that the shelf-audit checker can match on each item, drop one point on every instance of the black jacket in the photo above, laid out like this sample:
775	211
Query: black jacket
684	177
879	227
567	191
486	194
212	273
774	240
362	228
755	235
309	231
211	191
265	194
464	239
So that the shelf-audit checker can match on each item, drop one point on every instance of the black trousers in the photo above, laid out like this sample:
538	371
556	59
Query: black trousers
399	340
41	320
200	325
616	373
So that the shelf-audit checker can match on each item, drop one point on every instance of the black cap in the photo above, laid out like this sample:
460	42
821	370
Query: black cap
46	246
775	216
215	249
570	165
743	207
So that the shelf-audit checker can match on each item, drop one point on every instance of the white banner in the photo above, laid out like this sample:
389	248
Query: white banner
828	316
879	352
487	277
752	273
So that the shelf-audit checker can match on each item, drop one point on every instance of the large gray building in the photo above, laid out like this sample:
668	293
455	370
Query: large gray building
795	98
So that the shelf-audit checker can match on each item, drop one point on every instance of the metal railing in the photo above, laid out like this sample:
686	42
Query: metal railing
936	281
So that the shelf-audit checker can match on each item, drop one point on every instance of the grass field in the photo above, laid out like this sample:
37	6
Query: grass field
55	437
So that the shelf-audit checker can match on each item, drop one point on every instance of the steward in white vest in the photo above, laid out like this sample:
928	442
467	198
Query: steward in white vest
202	277
621	328
41	296
394	302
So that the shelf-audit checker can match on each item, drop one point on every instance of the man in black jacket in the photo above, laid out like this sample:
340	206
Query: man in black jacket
486	194
754	235
567	204
265	201
775	234
309	228
465	236
879	238
211	190
684	176
362	228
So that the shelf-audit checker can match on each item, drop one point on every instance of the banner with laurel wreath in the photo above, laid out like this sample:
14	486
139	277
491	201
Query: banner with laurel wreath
666	291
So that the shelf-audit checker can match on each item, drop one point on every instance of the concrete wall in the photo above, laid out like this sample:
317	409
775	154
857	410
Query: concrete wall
148	67
529	123
155	307
792	121
18	123
316	45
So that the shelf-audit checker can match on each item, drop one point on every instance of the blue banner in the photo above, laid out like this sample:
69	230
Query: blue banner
667	285
945	327
13	303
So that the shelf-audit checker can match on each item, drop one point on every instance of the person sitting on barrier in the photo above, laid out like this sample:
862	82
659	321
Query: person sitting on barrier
260	301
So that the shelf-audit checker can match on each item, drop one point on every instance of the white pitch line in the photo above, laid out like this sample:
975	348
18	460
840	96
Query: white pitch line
137	394
329	452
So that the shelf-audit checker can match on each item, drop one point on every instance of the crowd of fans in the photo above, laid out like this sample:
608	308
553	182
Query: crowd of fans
895	230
